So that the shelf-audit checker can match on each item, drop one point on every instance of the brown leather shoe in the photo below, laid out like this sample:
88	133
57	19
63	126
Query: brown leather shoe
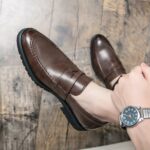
52	70
105	62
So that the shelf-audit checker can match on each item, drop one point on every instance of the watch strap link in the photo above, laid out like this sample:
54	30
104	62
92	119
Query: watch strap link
146	113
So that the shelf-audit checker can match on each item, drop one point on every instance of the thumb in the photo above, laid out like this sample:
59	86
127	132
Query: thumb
146	71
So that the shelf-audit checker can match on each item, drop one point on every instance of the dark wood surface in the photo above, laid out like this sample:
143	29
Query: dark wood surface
30	117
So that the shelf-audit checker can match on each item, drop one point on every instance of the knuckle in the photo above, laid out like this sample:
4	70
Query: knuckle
122	79
136	69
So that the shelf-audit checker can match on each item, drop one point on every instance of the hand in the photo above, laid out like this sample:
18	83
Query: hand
133	89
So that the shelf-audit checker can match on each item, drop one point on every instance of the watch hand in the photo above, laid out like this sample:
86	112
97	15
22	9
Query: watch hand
125	115
128	116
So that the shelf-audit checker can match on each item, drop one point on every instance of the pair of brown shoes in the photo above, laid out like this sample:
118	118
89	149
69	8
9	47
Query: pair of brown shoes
52	70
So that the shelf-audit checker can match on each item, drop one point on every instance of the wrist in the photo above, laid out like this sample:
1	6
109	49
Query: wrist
139	134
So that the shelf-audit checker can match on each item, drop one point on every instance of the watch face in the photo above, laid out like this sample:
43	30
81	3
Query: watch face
129	116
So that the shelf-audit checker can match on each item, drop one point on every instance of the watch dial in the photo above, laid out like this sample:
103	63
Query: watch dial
130	116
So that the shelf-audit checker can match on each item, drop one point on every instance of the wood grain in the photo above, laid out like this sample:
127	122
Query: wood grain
20	103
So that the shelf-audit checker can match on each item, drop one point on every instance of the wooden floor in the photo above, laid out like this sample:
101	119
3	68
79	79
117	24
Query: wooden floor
30	117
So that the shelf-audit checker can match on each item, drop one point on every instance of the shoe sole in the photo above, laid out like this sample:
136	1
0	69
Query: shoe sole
65	109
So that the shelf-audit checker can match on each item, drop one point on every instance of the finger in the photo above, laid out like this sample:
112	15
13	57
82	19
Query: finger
146	71
122	78
137	72
121	81
117	81
137	69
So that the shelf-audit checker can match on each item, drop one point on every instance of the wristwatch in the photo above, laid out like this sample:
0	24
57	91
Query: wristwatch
132	115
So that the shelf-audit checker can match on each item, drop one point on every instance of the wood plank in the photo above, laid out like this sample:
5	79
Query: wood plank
127	29
19	96
62	31
52	127
20	101
16	15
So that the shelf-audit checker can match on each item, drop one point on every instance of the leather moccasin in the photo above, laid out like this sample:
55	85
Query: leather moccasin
49	68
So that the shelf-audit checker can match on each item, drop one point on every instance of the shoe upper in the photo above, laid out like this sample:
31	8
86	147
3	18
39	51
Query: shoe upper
50	65
57	72
105	62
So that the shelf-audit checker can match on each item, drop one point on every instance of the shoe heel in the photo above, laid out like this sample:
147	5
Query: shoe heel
72	119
